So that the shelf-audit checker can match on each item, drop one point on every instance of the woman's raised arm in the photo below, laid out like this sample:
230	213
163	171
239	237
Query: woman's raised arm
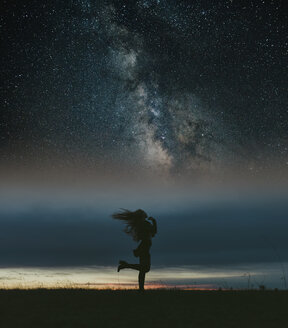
154	224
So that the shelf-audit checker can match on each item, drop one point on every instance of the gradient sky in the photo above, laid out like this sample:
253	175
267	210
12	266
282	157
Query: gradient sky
65	238
176	107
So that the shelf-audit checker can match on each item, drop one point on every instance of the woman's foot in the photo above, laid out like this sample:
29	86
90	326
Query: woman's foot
122	265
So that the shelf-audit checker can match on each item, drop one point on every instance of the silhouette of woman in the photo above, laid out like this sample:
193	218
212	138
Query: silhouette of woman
141	230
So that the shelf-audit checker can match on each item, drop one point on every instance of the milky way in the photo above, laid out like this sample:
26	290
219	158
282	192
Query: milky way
173	87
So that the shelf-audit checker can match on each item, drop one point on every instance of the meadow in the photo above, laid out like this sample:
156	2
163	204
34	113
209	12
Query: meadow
81	308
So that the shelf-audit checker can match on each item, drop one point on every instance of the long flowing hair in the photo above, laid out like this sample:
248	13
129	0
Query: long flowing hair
136	225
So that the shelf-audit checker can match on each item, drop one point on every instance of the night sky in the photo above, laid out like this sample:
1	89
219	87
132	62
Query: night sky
174	86
175	90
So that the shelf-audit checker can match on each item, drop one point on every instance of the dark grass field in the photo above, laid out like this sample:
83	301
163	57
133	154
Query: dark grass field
155	308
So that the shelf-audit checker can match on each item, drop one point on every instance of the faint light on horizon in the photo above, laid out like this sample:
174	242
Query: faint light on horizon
107	277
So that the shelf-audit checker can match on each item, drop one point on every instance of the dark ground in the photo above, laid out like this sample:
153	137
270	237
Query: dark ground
165	308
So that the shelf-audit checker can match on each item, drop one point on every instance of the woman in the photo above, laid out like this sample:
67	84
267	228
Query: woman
141	230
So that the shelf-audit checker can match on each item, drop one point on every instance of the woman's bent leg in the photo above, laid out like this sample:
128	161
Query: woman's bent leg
133	266
124	265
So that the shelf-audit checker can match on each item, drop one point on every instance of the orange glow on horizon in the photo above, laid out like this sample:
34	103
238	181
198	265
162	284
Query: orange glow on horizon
108	286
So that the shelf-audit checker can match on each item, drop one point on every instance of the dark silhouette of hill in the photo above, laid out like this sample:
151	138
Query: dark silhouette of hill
155	308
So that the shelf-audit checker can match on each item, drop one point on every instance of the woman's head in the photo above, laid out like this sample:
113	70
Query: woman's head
135	222
142	215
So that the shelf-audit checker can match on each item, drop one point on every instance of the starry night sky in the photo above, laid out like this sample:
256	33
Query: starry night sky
177	87
181	90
